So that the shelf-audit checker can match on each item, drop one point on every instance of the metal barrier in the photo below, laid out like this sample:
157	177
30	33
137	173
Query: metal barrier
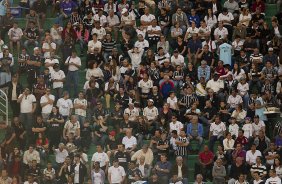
4	106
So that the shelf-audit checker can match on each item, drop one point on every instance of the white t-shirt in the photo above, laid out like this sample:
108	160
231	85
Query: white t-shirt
233	129
80	112
177	61
151	28
234	101
100	157
150	113
75	60
172	102
47	108
141	45
117	173
48	46
145	86
221	32
15	33
94	45
273	180
72	127
129	142
228	17
175	126
258	127
59	75
64	106
51	61
26	103
100	33
147	18
250	157
248	130
217	129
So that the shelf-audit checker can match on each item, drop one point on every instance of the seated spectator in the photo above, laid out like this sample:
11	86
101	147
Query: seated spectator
205	164
15	35
217	132
195	131
252	155
259	167
163	169
175	170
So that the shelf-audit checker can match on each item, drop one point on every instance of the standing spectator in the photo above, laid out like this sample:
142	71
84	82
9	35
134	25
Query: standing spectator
116	173
27	108
101	157
46	103
65	105
79	170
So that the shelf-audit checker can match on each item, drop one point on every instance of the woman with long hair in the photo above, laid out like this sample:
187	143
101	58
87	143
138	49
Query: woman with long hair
210	19
245	17
163	43
97	174
82	36
114	68
237	72
42	145
148	57
111	88
56	123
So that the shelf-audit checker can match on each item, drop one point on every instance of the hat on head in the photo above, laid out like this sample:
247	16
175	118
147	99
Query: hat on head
124	10
112	133
270	49
36	48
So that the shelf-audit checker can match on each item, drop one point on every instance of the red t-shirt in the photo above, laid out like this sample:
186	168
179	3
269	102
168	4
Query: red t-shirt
206	157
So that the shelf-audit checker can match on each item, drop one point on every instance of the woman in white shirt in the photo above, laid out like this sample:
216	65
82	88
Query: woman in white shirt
97	174
237	72
210	19
163	43
95	71
243	88
245	17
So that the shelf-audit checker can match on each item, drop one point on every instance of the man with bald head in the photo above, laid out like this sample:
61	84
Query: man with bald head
237	169
195	131
130	142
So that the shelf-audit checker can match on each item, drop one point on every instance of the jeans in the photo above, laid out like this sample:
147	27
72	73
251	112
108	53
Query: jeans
5	77
58	93
15	106
81	120
72	80
213	139
27	119
28	42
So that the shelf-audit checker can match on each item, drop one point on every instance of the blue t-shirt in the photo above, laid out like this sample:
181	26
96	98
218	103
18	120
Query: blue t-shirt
225	53
67	7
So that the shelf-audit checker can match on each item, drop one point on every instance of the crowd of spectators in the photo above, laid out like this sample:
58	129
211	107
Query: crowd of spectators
148	83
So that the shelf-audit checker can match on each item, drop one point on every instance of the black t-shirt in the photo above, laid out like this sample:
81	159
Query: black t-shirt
32	33
113	144
100	130
167	69
124	125
34	58
54	126
19	129
123	158
85	132
38	125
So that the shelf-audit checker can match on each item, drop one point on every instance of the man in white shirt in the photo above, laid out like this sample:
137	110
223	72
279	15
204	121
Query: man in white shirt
113	23
60	154
30	155
252	155
15	35
217	132
175	125
116	173
30	180
27	107
58	77
101	157
73	63
46	103
141	43
258	125
147	18
72	126
150	112
94	43
145	85
220	32
177	59
154	32
65	105
234	100
215	84
130	142
273	179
